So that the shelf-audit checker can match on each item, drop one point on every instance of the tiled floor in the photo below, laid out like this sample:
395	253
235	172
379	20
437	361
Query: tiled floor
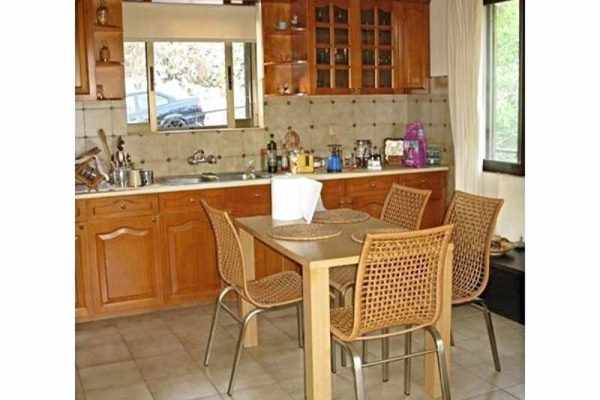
159	356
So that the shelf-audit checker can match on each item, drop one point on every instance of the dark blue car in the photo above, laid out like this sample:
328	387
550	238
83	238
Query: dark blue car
171	113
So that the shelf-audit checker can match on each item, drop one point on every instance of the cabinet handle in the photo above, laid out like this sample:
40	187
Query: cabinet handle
372	185
154	219
80	227
257	195
123	206
192	200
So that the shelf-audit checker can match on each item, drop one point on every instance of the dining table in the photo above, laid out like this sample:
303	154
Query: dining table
316	258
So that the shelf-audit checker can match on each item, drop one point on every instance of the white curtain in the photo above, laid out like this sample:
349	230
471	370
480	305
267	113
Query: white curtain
465	40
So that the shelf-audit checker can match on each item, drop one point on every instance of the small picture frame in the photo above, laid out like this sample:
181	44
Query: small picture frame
393	151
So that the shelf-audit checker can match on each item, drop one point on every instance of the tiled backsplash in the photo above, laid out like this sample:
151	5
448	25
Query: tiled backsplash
349	117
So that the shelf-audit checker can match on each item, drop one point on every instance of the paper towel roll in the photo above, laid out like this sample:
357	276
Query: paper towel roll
286	198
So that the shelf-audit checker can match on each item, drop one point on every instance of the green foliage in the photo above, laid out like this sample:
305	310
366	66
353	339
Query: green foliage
506	66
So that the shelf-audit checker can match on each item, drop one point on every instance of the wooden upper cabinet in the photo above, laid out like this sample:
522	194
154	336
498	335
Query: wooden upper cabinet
376	47
85	81
411	24
125	258
335	47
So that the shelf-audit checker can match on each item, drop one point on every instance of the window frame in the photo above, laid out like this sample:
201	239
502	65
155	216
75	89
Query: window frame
505	167
232	123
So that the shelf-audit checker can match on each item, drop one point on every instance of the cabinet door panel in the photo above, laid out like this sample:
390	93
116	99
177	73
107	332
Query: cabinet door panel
371	204
248	201
127	263
333	193
189	254
81	303
412	32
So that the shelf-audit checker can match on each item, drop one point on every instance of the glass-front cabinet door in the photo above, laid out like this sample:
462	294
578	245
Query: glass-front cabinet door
333	46
376	46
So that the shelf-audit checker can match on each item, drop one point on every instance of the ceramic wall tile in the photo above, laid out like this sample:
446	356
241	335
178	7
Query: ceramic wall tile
211	142
232	144
79	123
181	145
96	105
181	167
80	144
119	120
155	147
96	119
160	168
321	110
253	140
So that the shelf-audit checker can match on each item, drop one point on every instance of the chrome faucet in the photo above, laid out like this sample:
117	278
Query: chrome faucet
198	157
250	171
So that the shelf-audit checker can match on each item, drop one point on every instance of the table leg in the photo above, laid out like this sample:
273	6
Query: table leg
443	325
317	363
247	241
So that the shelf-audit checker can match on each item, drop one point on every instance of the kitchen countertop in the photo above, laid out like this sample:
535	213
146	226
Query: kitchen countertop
162	188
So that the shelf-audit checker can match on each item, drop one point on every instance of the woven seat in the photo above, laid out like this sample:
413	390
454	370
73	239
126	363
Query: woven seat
278	289
398	284
274	291
474	218
342	278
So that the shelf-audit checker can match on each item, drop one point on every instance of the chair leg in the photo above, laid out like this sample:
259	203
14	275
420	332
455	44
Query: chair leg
360	389
490	329
365	351
213	325
451	338
300	321
240	343
441	359
333	356
385	354
407	363
341	302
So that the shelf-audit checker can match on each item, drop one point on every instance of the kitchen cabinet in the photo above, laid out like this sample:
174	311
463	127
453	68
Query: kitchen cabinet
411	21
85	81
81	292
188	246
125	263
347	46
146	252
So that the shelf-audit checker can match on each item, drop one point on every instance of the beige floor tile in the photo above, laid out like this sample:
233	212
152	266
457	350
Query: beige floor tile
95	334
517	391
268	392
495	395
134	392
183	387
154	344
111	351
249	374
110	375
138	327
164	366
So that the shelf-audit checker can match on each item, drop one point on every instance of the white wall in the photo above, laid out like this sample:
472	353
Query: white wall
438	37
511	221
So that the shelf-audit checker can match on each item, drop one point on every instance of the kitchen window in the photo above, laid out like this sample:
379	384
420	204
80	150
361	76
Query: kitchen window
505	87
189	85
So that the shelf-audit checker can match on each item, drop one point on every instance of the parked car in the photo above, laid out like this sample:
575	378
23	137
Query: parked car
171	112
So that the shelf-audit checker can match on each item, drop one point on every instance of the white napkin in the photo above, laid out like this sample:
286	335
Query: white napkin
294	197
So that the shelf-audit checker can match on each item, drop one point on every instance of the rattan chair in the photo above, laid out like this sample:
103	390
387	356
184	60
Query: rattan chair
398	285
474	218
404	207
272	292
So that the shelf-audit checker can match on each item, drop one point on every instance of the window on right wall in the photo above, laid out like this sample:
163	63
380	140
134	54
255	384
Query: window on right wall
505	87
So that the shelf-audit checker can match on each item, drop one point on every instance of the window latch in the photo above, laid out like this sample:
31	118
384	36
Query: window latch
229	77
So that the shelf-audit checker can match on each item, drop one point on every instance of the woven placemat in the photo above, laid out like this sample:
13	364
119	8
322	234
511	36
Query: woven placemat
305	232
359	236
340	216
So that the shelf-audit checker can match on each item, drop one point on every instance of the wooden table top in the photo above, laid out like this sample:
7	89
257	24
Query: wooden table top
340	250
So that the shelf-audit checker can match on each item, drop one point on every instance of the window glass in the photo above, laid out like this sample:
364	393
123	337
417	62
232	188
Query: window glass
242	79
136	82
192	76
503	82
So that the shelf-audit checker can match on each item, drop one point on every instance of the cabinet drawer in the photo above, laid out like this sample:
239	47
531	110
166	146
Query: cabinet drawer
188	201
369	185
248	201
80	210
123	206
434	181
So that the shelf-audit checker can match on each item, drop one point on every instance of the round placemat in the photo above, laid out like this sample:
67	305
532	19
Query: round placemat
340	216
359	236
305	232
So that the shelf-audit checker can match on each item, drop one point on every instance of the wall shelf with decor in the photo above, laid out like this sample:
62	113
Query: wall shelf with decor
106	20
285	46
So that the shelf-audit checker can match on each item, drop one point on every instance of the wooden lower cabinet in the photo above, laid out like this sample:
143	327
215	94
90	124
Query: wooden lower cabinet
139	253
81	292
125	264
189	258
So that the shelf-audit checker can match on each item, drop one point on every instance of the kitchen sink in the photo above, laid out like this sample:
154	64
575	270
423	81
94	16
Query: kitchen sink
209	177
